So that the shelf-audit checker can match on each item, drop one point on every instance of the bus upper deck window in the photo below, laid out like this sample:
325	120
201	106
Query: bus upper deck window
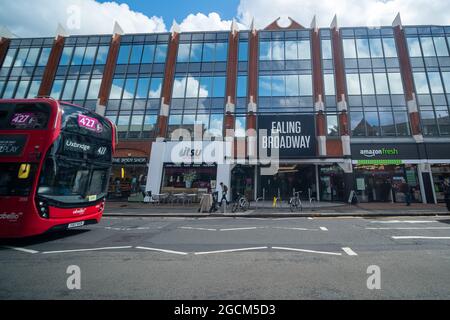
24	171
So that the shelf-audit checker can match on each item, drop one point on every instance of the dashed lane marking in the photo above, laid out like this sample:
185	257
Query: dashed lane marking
349	251
323	229
162	250
84	250
231	250
419	238
194	228
411	228
22	249
405	221
298	229
240	229
308	251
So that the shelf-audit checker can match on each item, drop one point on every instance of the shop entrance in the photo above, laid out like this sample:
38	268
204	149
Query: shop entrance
126	180
243	182
387	183
290	178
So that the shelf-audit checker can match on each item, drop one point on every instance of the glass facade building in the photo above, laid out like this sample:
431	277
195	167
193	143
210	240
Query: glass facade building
379	99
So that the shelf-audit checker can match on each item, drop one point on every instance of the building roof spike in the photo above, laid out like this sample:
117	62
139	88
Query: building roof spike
252	26
117	29
234	27
61	31
6	33
334	24
397	21
314	24
175	28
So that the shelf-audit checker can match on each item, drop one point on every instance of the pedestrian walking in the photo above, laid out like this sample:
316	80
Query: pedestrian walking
407	192
224	193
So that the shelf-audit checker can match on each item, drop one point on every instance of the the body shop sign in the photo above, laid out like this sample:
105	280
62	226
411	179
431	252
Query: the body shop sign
89	123
292	135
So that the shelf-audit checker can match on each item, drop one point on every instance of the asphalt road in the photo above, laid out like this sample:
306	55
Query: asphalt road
234	258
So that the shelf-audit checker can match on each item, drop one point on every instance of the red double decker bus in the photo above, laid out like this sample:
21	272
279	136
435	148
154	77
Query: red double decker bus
55	162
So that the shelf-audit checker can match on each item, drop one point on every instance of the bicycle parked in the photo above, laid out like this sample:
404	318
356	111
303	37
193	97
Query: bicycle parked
241	204
295	203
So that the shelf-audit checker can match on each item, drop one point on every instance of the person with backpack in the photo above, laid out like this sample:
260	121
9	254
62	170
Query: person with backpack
224	193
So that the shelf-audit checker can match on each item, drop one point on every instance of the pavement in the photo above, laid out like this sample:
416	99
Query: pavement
325	209
234	258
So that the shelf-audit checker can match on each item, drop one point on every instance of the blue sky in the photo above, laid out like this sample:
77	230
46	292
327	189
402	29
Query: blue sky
180	9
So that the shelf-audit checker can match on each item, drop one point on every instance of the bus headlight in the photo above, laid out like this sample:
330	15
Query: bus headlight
42	207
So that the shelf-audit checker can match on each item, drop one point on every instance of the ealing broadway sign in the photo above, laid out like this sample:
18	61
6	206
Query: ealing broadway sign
293	135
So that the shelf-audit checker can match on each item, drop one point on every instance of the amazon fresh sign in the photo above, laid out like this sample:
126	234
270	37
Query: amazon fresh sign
293	136
372	153
377	151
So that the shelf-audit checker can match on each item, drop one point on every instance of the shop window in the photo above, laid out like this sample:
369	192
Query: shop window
443	120
327	52
332	125
429	123
9	59
243	51
390	50
357	124
402	123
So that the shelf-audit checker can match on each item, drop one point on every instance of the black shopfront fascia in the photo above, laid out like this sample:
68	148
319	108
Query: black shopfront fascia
400	151
294	135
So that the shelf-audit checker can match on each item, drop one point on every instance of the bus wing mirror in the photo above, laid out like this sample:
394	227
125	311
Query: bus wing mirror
24	171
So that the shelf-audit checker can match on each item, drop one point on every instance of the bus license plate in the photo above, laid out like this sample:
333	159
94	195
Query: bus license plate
75	225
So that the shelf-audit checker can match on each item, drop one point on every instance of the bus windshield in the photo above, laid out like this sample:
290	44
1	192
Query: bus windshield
70	182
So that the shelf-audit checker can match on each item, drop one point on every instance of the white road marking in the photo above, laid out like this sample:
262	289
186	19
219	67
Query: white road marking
300	229
22	249
308	251
323	229
238	229
83	250
275	219
201	229
411	228
310	218
349	251
162	250
419	237
405	221
231	250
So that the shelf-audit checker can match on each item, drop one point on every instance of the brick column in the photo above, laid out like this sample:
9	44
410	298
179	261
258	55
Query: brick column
407	77
319	106
108	74
339	72
232	67
4	46
252	94
169	74
52	66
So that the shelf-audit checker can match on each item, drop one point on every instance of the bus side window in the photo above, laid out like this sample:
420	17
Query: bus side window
24	171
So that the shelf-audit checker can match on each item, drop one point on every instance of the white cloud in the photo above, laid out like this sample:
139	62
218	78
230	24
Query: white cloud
202	22
39	18
349	12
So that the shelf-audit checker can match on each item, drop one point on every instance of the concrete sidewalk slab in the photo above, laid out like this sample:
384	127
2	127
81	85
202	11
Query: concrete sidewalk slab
329	210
